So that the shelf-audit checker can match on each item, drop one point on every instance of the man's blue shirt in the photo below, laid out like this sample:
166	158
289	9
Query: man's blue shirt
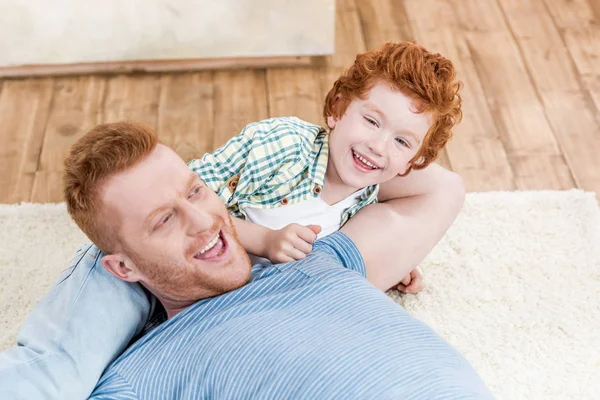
309	329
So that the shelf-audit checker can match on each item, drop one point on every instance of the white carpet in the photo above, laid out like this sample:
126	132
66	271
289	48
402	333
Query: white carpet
514	285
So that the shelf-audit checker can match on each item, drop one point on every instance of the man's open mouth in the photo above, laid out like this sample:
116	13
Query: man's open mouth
213	249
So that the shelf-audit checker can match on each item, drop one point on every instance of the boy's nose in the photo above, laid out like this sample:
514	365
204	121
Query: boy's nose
377	146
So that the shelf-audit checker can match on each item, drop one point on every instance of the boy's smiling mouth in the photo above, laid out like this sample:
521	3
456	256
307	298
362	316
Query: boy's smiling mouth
364	162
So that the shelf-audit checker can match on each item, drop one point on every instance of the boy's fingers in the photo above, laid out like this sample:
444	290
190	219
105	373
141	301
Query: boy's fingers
416	284
406	281
308	234
302	245
315	228
296	254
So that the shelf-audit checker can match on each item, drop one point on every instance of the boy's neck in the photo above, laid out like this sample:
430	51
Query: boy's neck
335	191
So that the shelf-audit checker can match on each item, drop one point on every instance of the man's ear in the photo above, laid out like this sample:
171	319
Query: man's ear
122	267
331	122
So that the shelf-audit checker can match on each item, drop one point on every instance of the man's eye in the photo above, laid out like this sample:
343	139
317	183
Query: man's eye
195	191
163	221
371	121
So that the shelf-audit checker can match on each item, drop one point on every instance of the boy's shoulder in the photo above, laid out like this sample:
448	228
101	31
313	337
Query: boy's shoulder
283	128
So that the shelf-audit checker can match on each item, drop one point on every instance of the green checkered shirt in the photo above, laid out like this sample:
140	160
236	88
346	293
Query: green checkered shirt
272	163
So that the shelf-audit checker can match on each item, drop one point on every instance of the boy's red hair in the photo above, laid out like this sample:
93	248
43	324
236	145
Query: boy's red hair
428	78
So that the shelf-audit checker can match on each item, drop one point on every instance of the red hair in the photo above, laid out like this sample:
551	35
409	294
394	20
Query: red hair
101	153
428	78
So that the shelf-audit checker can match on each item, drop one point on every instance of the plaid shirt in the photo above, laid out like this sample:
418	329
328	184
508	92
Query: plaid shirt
272	163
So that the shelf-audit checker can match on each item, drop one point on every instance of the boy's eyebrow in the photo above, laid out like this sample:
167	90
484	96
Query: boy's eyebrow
376	110
190	182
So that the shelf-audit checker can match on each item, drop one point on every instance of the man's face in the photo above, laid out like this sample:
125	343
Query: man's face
376	138
176	235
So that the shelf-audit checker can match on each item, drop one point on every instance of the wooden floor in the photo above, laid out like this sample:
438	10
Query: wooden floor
531	73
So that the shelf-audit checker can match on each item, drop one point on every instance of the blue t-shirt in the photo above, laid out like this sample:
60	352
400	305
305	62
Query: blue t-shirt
311	329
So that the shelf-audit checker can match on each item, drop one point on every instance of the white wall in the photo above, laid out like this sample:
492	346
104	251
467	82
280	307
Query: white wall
73	31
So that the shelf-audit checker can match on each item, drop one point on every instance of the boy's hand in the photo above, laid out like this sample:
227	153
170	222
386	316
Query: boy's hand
290	243
412	283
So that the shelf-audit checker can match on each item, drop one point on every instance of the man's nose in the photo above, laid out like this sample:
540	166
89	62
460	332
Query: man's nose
197	219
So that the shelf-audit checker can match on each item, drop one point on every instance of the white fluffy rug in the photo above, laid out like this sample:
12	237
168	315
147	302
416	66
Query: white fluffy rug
514	285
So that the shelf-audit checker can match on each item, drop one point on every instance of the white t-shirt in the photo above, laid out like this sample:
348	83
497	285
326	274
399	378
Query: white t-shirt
313	211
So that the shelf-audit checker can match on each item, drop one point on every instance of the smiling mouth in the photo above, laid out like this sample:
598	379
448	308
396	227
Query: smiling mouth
214	249
365	163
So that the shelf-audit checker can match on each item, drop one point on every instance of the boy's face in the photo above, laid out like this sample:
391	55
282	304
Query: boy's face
376	138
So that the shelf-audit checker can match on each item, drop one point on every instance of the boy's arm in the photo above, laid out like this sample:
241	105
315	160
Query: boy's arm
252	236
418	210
292	242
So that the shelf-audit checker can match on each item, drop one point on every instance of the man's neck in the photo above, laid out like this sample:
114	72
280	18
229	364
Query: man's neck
173	307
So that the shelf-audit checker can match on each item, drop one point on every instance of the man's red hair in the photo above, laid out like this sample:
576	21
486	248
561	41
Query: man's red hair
101	153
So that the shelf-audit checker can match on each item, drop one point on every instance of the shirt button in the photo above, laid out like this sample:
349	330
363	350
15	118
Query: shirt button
232	182
317	190
284	201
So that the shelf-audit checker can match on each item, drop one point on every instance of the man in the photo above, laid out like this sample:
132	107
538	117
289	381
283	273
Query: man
312	328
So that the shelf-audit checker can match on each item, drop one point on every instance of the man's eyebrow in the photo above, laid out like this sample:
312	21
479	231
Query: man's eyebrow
376	110
191	180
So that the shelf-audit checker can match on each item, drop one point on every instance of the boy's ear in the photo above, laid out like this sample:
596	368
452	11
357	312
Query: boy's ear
122	267
331	122
407	169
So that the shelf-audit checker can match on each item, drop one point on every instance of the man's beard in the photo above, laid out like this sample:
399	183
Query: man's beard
183	282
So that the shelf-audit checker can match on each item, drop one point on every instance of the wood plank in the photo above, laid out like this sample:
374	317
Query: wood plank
573	121
186	112
518	111
476	151
76	106
123	67
349	41
295	92
24	107
240	97
132	98
384	20
47	187
579	23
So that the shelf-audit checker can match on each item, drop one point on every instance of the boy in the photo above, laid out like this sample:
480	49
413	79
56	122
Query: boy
289	182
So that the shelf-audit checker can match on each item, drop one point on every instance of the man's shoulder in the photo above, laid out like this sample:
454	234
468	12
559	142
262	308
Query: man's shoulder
341	249
112	385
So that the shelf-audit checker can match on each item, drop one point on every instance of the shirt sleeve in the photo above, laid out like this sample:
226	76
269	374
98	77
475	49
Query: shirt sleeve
340	246
217	168
73	333
270	151
113	386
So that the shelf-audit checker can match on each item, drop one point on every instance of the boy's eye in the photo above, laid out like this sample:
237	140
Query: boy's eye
371	121
403	142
